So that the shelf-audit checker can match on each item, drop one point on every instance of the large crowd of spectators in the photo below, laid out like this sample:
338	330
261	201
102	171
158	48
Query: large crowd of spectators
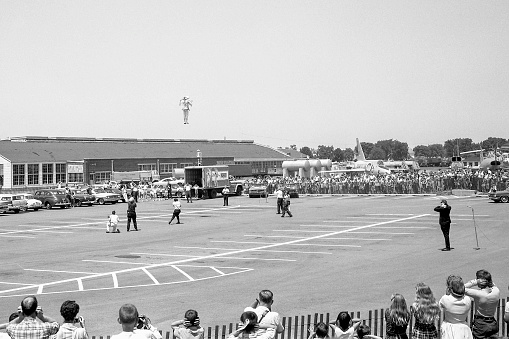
260	321
395	183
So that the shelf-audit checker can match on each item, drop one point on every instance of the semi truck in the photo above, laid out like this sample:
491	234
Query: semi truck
211	180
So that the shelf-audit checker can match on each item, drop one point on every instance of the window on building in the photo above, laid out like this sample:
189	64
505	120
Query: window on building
76	177
33	174
167	168
47	174
185	164
18	175
147	167
60	173
102	177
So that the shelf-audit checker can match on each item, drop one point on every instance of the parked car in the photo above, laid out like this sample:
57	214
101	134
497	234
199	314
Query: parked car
52	197
32	203
16	203
116	191
258	191
82	197
293	190
4	206
102	196
499	196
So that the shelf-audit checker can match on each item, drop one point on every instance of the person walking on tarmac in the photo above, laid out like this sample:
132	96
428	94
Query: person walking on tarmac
176	211
279	196
445	222
225	192
286	205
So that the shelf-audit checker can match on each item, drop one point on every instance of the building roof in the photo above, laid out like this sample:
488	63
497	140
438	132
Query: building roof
48	149
292	153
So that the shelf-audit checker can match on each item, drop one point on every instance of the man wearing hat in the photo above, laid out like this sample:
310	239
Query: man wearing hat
186	106
445	222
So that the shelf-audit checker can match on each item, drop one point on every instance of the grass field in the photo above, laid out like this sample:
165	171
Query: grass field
336	253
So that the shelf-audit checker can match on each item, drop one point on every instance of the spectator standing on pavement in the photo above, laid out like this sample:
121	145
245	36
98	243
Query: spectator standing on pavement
225	192
279	195
73	327
345	327
177	206
135	192
189	327
128	318
269	321
456	307
68	196
486	299
187	189
32	323
426	311
397	317
196	189
131	214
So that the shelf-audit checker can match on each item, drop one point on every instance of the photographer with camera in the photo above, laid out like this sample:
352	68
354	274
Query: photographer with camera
269	322
145	328
32	323
73	326
445	222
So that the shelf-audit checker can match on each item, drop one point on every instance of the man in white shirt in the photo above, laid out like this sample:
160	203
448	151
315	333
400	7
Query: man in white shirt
262	307
279	196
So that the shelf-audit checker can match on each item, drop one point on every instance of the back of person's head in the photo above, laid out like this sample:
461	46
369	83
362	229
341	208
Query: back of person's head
265	296
485	275
398	310
321	330
363	330
113	212
128	314
253	321
13	316
29	305
69	310
191	316
175	199
344	320
455	286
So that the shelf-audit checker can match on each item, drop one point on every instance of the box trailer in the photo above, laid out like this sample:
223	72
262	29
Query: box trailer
211	180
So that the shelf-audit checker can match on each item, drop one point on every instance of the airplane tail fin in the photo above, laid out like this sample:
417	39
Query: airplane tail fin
360	152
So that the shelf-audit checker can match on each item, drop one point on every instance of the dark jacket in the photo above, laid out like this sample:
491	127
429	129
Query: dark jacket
445	214
131	207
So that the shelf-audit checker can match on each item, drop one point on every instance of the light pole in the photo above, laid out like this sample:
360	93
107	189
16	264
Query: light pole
198	156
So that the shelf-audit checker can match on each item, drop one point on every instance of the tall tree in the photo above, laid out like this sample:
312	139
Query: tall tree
421	151
324	152
307	151
338	155
377	153
393	149
492	143
436	151
348	154
464	144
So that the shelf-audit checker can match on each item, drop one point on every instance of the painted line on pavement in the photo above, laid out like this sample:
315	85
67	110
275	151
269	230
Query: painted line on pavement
265	243
194	256
257	250
218	255
55	271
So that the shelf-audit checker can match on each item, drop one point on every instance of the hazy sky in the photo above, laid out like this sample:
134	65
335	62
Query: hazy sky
277	72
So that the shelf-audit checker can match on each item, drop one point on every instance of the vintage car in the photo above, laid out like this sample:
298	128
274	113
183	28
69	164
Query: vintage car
4	206
293	190
32	203
116	191
82	197
258	191
52	197
499	196
16	203
102	196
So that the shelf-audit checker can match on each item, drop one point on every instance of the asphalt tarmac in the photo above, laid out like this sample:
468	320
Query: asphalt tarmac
337	253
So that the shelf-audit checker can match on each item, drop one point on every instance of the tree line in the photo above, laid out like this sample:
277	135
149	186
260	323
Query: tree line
396	150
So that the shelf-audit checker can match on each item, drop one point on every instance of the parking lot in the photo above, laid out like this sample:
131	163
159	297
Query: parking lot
336	253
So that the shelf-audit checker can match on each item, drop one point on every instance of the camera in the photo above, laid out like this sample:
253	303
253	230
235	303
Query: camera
142	322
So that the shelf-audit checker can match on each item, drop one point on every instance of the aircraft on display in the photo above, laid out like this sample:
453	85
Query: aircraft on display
361	165
493	161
